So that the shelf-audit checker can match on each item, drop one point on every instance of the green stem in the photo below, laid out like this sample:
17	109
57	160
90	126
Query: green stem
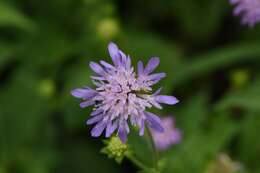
138	163
155	152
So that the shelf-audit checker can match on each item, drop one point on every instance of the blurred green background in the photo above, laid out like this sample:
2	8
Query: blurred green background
212	66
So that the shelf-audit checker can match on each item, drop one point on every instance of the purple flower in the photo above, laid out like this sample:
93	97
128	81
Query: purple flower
170	136
122	96
250	9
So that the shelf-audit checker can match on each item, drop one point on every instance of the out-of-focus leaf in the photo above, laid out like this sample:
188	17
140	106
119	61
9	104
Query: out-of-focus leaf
192	19
249	141
77	76
6	52
206	63
85	157
202	139
195	152
248	99
192	113
22	112
45	47
10	16
190	119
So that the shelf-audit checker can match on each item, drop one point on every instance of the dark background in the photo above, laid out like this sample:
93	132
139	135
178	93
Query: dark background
212	66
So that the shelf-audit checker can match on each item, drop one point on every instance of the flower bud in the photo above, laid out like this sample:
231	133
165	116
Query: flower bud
223	164
115	149
108	28
47	88
239	78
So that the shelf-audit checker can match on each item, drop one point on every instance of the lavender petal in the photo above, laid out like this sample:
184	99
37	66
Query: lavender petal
170	100
96	68
107	65
157	91
176	136
87	103
94	119
154	121
111	127
152	64
83	93
122	135
98	129
156	76
123	58
123	130
140	68
114	53
96	112
142	127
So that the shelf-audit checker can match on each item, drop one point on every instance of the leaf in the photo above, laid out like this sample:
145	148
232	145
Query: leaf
249	141
195	152
192	19
84	156
9	16
6	52
204	135
22	112
216	59
247	99
48	46
192	113
77	76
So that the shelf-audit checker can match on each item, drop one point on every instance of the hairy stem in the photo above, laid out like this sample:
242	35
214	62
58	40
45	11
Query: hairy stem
155	152
139	164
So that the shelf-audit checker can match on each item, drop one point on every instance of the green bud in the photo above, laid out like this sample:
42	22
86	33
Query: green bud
115	149
47	88
239	78
108	28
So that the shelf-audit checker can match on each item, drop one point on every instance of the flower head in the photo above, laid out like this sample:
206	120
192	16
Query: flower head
122	96
250	9
170	136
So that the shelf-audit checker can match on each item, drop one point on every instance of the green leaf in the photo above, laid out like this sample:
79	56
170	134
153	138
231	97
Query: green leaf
249	142
198	149
247	99
192	19
193	112
206	63
10	16
77	76
6	52
22	112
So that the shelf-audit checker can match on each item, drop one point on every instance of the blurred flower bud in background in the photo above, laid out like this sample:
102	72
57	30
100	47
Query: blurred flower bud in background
47	88
223	164
239	78
108	28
